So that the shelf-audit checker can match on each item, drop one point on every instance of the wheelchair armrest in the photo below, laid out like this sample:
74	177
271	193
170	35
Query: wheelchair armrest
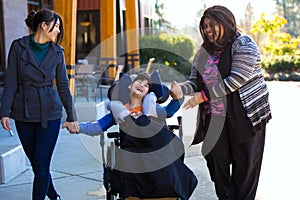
113	134
174	127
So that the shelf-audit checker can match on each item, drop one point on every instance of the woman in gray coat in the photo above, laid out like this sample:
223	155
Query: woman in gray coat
35	89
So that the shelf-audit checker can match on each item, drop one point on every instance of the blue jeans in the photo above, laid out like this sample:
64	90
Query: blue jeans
38	144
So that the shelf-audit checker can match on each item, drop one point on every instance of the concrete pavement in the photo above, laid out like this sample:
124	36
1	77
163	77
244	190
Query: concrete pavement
77	173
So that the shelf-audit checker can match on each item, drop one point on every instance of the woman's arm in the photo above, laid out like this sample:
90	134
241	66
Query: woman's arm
190	86
194	82
245	62
10	81
64	88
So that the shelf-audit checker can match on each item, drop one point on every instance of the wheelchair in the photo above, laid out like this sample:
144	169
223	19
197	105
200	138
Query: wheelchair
156	174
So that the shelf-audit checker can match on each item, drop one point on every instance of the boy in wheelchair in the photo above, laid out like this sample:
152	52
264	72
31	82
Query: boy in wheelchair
149	160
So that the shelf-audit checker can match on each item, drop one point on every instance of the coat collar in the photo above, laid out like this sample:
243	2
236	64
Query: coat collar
52	57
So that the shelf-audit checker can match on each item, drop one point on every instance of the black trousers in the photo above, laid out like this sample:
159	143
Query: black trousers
235	167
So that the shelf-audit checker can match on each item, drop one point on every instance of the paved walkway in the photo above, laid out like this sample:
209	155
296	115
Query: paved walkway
280	173
77	173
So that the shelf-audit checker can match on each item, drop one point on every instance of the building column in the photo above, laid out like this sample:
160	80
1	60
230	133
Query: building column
108	38
13	22
132	33
67	9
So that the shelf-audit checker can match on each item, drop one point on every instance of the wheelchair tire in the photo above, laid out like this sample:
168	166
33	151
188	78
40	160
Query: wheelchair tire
109	196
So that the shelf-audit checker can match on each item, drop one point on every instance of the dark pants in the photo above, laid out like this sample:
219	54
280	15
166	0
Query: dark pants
38	144
241	180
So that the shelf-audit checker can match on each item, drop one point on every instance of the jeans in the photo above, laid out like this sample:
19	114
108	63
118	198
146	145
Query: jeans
38	144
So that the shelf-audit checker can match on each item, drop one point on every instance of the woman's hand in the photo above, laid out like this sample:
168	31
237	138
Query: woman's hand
5	121
176	92
196	99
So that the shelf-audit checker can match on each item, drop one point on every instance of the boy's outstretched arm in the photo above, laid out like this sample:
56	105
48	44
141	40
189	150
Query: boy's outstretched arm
97	127
173	107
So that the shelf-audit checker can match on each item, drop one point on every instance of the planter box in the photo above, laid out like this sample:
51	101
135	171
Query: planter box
12	164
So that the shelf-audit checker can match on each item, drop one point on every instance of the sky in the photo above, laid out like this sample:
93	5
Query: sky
183	12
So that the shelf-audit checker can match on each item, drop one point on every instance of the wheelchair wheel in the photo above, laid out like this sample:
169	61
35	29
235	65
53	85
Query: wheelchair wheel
109	196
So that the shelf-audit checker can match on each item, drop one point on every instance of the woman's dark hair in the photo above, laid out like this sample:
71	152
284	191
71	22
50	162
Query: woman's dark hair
34	19
221	16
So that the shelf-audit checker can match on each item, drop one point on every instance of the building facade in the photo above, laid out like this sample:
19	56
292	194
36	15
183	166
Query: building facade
103	33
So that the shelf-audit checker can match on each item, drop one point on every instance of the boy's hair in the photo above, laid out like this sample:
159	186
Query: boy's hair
143	77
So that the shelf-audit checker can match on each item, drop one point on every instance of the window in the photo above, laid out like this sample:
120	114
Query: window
147	26
39	4
87	36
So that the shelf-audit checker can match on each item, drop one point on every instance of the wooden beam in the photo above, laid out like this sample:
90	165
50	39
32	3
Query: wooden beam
108	36
67	9
132	32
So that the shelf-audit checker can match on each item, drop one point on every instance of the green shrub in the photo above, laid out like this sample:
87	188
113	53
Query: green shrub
286	63
169	50
280	51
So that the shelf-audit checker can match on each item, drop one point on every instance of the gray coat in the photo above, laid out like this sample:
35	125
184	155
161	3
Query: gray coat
30	94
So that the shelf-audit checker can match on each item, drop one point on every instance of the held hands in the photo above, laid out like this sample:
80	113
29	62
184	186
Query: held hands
176	92
72	127
197	98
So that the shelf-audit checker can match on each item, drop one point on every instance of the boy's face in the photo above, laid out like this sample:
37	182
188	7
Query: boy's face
139	88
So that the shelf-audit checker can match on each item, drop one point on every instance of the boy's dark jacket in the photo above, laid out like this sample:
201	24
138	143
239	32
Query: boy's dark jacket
149	163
